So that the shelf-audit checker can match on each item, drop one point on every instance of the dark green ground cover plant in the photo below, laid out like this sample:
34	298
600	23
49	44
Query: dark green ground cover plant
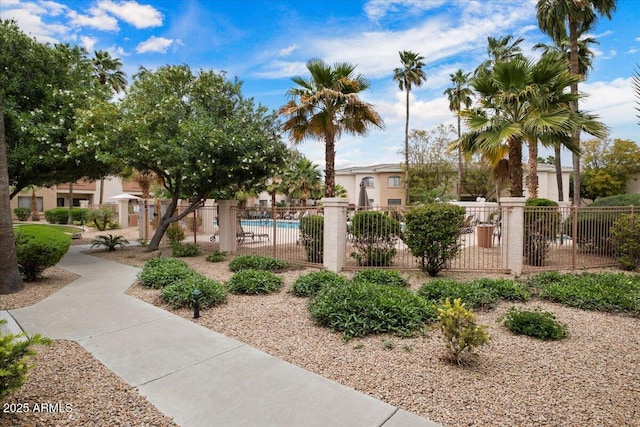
381	277
216	256
180	293
480	293
160	272
38	248
358	309
310	284
110	242
253	282
534	323
185	250
609	292
257	262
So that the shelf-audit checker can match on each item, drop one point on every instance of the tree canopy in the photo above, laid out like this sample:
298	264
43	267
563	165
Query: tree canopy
608	166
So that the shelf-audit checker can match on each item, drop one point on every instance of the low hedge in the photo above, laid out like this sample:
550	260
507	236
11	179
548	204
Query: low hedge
61	215
38	248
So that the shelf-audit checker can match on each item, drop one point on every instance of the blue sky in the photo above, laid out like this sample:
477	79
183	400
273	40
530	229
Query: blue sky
266	42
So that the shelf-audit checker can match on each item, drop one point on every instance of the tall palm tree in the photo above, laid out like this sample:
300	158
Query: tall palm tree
585	64
327	105
555	17
460	94
410	74
302	180
500	49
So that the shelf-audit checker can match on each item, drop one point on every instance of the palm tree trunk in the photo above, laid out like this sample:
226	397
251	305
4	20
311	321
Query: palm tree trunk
406	152
330	158
575	69
558	165
70	217
10	279
35	213
515	167
460	168
533	170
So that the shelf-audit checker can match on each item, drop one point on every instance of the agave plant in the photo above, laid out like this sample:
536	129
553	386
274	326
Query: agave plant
110	242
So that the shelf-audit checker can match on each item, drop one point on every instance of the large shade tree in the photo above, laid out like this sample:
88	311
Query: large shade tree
562	19
325	106
459	95
409	75
199	135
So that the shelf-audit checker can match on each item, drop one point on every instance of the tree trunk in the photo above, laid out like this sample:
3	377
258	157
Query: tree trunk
515	167
330	158
406	151
10	279
558	165
101	191
163	223
575	69
35	213
533	170
460	168
70	217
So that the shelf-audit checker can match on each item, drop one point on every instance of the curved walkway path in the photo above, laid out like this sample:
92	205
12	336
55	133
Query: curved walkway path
195	375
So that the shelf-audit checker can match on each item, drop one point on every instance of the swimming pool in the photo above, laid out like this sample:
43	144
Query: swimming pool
269	223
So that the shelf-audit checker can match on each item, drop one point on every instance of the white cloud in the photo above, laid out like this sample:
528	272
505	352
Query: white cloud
98	20
378	9
54	9
154	44
615	104
88	42
28	17
288	50
138	15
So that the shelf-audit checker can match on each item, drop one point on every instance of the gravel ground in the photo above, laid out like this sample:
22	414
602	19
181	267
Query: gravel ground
592	378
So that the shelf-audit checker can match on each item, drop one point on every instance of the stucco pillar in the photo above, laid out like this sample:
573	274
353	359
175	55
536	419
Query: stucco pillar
227	225
335	232
513	231
123	213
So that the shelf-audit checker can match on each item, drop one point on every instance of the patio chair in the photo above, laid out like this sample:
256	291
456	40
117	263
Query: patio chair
242	235
497	228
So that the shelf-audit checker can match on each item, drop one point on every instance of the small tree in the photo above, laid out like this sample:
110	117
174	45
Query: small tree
626	241
376	235
460	332
101	218
432	234
541	224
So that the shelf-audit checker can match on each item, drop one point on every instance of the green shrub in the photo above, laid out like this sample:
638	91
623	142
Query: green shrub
182	251
541	223
480	293
257	262
180	293
192	225
609	292
175	233
310	284
536	323
61	215
217	256
38	248
160	272
358	309
22	213
375	237
101	218
381	277
625	235
114	226
312	236
254	282
110	242
618	200
432	234
459	329
15	352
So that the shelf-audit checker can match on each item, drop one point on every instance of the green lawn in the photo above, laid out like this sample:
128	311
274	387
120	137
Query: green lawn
70	229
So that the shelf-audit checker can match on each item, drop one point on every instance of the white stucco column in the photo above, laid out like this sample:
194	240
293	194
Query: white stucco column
335	232
513	231
227	224
123	213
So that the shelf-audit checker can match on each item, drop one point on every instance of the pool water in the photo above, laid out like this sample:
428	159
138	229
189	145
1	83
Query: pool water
269	223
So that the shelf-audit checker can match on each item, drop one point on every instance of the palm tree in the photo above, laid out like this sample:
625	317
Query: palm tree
585	64
460	94
411	73
500	49
327	105
554	18
302	180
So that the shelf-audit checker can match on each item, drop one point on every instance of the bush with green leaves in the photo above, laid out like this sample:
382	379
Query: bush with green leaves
216	256
459	330
359	308
608	292
175	233
180	293
257	262
310	284
15	352
618	200
253	282
375	237
312	236
432	234
542	222
160	272
381	277
534	323
38	248
110	242
186	250
480	293
625	235
22	213
101	218
61	215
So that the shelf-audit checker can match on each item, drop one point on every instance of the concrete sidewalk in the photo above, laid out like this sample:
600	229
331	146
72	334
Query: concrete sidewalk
190	373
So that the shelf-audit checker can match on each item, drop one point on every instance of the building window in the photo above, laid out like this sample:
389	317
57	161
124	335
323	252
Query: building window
394	181
368	181
25	202
394	202
263	203
60	202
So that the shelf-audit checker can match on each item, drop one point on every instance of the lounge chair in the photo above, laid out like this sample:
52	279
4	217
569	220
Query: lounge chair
242	235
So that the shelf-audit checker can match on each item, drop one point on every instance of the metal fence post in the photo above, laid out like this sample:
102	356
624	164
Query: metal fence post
335	232
513	231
